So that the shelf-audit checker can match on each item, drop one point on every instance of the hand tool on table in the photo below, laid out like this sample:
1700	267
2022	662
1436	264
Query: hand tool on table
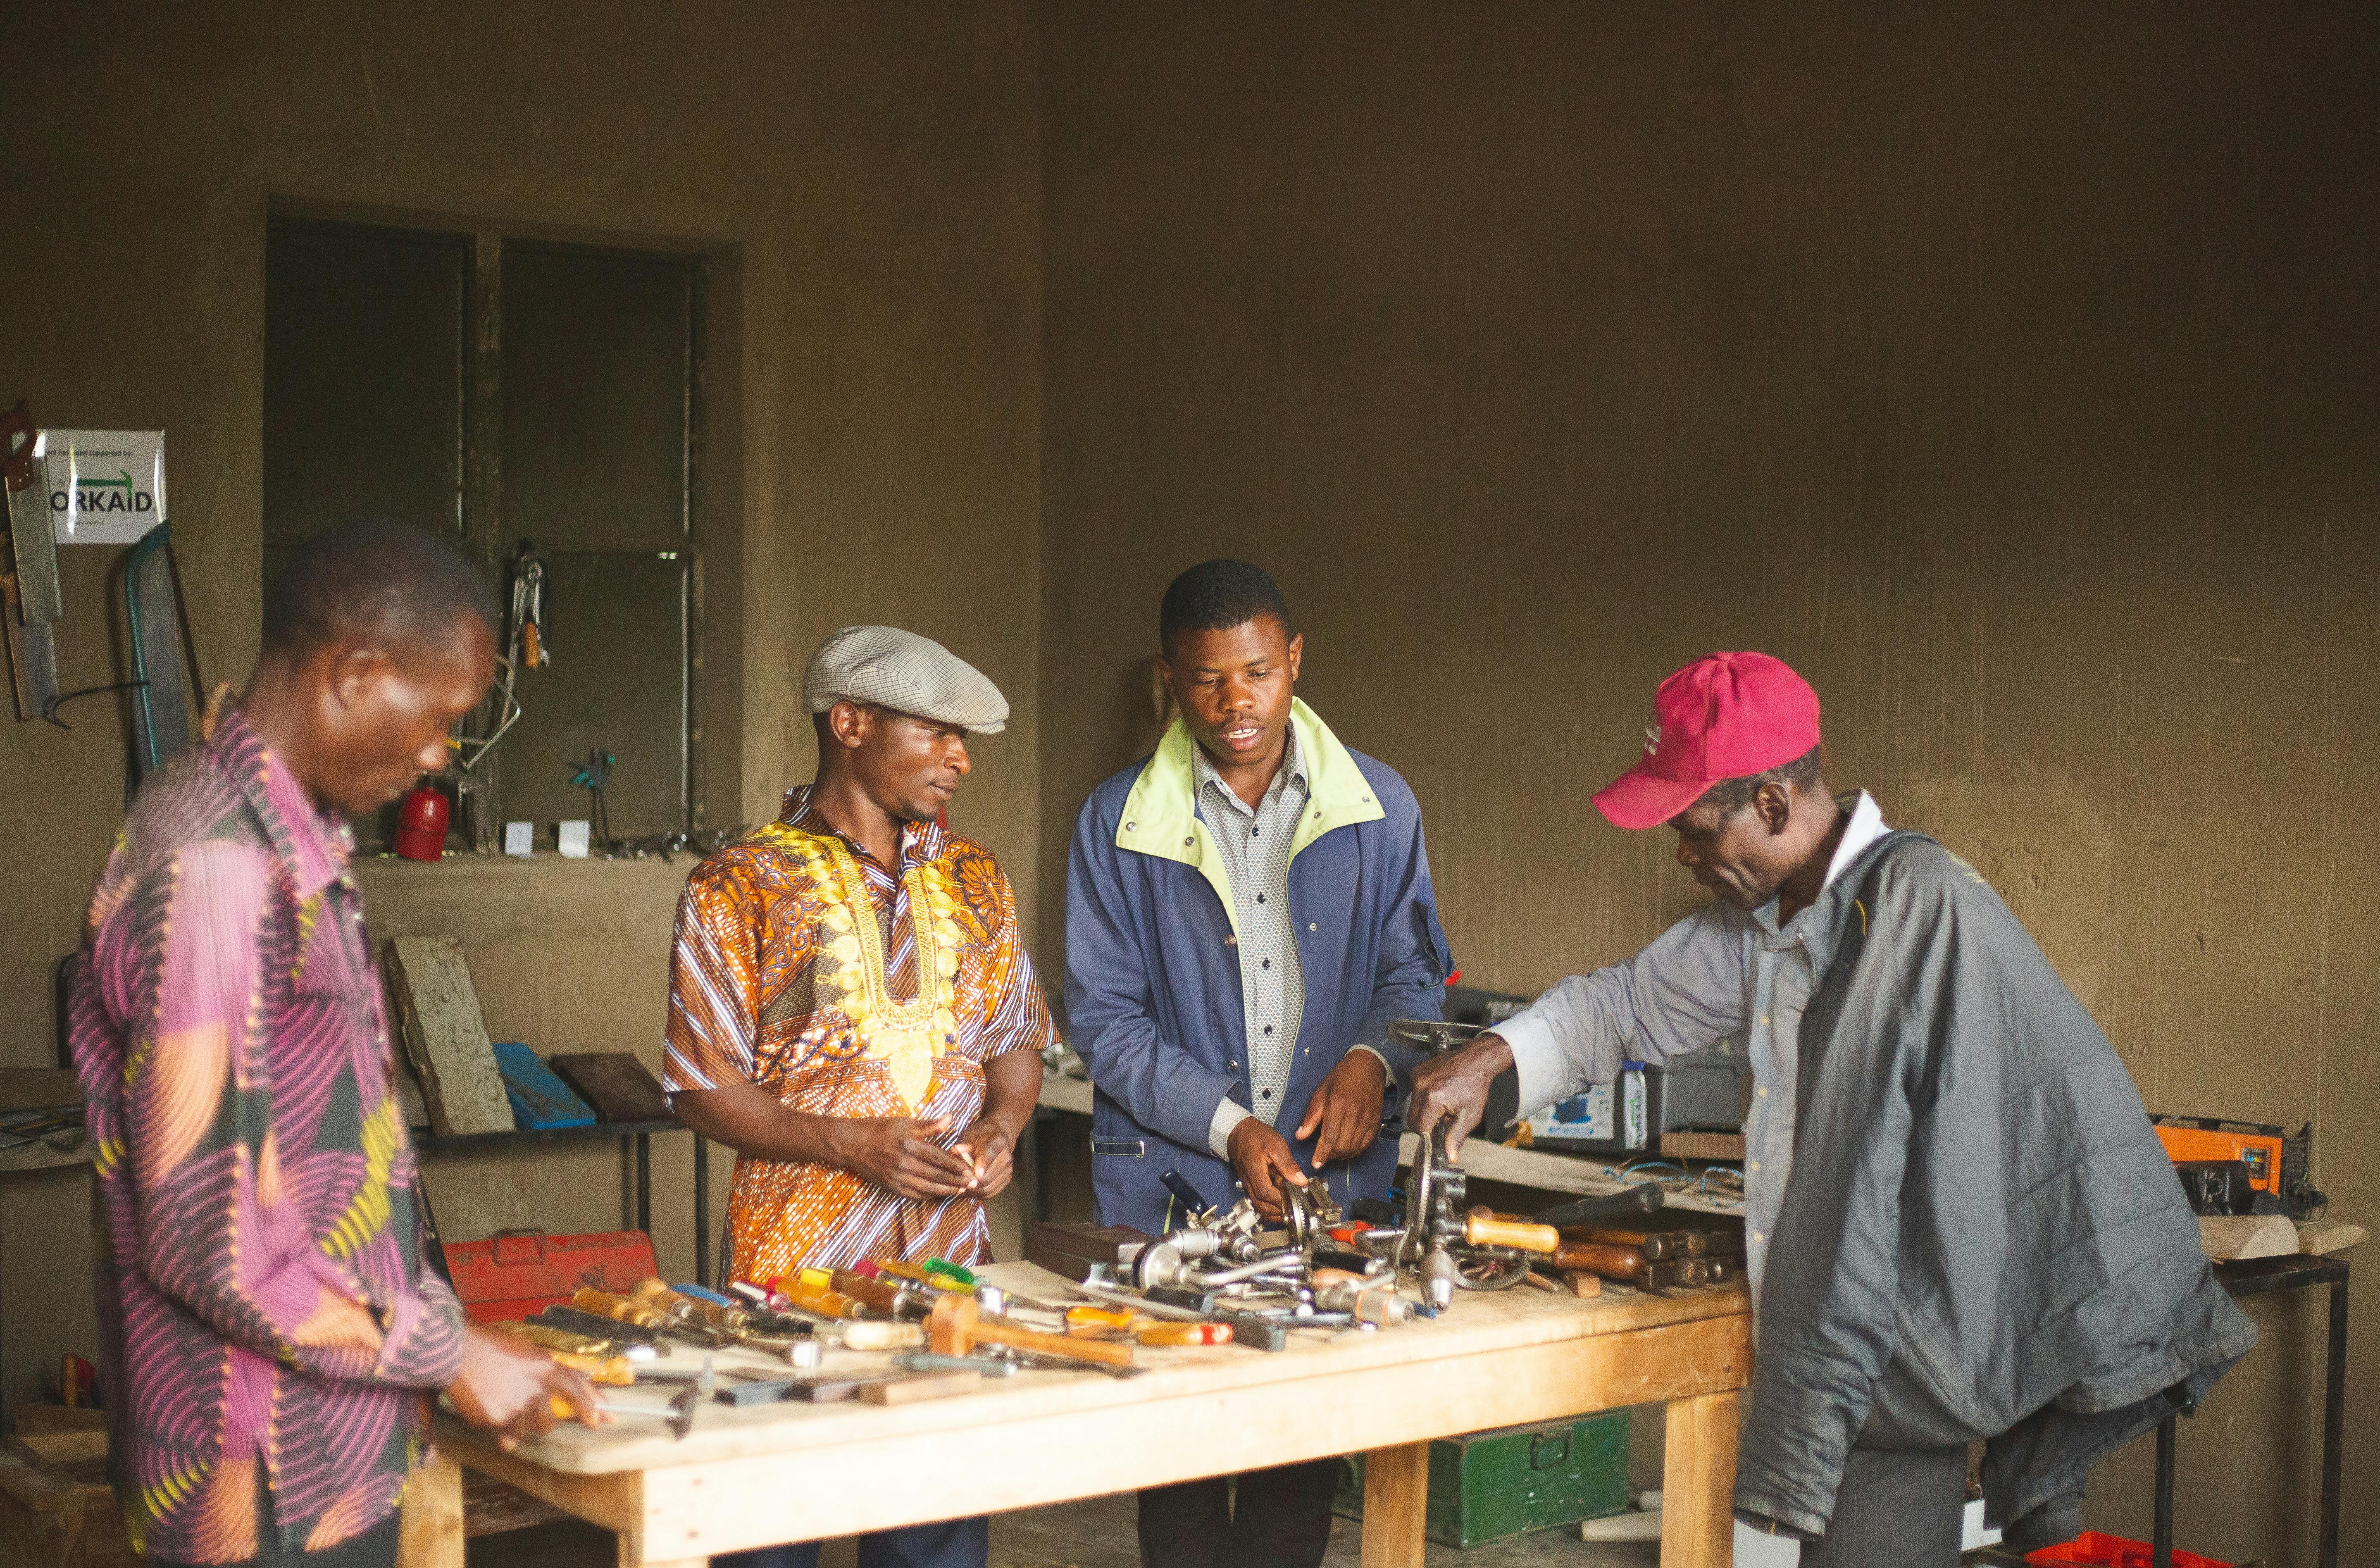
922	1385
1035	1360
956	1327
830	1387
702	1379
875	1335
745	1394
1182	1334
1657	1245
622	1334
986	1294
899	1299
678	1412
615	1370
31	600
1450	1248
628	1309
1121	1318
1248	1331
1607	1258
1363	1301
1604	1208
747	1315
927	1361
600	1348
739	1324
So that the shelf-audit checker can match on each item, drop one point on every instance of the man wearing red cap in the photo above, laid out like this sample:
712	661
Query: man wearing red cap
1983	1238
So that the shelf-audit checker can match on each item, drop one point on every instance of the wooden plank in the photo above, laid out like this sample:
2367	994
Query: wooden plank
430	1521
620	1087
438	1014
1698	1482
2224	1237
2320	1238
1396	1505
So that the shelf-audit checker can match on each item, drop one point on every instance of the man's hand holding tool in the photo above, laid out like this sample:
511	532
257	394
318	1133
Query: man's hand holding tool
515	1390
1264	1163
1452	1089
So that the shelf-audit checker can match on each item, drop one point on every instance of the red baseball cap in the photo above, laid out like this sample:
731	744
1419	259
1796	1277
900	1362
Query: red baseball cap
1721	717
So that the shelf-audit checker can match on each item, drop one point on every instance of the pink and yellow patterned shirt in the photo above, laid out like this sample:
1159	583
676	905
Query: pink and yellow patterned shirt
261	1294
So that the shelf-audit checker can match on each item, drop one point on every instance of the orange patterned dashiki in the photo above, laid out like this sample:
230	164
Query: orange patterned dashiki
883	999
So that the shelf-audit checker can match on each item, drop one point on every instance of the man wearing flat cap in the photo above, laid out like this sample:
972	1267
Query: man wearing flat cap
851	1009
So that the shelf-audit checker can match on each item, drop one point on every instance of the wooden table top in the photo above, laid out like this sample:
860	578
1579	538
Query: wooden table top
1478	1322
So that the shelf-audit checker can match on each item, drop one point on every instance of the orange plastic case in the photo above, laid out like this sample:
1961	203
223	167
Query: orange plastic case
2258	1147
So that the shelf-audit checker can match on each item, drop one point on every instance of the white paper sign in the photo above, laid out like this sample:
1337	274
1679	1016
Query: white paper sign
106	486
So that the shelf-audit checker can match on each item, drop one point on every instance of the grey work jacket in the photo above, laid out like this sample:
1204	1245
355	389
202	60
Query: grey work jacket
1983	1237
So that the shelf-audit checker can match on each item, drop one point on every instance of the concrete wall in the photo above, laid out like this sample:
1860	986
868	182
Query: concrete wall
866	179
2010	373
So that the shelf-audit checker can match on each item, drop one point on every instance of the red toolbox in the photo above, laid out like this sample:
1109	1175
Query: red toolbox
514	1273
2099	1550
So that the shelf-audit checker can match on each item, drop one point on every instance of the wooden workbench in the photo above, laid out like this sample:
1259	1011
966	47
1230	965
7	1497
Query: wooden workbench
793	1471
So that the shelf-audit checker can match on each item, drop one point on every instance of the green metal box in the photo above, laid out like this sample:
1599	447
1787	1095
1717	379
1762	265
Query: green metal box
1485	1486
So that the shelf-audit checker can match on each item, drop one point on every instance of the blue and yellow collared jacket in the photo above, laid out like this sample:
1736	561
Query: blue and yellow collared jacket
1153	973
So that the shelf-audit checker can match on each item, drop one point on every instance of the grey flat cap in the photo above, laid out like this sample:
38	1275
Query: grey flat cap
903	671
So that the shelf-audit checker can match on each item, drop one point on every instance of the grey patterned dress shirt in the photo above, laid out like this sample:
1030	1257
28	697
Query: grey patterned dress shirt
1253	843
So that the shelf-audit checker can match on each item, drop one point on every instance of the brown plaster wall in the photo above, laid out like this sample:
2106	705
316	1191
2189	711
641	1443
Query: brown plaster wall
866	179
2007	372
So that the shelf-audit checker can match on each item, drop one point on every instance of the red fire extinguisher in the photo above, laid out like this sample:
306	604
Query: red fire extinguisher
421	824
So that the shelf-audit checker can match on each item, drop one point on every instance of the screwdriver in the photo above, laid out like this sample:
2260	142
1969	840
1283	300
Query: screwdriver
1184	1333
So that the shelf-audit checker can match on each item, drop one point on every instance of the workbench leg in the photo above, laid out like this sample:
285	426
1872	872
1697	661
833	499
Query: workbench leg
2334	1423
1698	1483
430	1529
1396	1505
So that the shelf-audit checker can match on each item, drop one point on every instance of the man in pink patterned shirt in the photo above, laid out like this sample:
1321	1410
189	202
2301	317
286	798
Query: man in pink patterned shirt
271	1337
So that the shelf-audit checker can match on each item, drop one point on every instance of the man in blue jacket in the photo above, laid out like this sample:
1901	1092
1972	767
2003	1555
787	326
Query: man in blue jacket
1247	911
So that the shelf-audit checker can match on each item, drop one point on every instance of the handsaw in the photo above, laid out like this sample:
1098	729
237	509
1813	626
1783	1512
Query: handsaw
30	599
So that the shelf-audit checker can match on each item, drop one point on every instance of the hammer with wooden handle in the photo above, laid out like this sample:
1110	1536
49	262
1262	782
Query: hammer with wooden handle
1483	1229
957	1326
1600	1257
1657	1245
